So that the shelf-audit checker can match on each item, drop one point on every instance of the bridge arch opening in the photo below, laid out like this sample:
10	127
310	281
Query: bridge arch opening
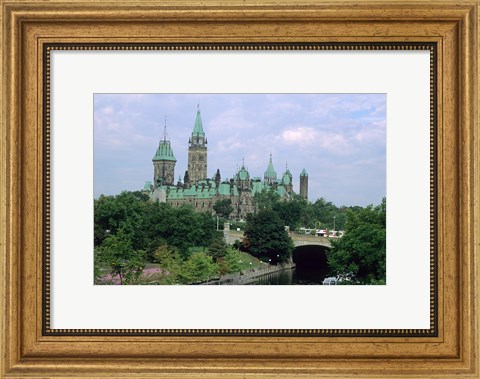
311	261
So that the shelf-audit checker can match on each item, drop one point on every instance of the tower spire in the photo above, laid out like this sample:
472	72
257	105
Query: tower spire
198	126
165	130
270	175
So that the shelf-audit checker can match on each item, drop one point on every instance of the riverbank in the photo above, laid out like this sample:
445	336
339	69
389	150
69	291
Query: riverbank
251	275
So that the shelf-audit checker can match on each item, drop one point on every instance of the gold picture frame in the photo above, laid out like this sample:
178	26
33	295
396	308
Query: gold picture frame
29	349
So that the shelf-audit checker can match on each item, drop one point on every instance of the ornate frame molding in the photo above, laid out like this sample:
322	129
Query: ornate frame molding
29	26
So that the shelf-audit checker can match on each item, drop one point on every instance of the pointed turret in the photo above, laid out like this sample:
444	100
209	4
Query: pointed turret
287	180
164	161
270	176
198	127
164	150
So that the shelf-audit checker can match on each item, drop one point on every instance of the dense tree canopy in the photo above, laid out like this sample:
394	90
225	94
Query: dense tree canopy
265	200
126	211
151	224
361	253
265	236
298	212
125	262
130	230
223	208
218	247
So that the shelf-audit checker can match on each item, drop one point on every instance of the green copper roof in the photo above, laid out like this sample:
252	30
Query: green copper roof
303	173
205	195
286	178
192	191
164	152
243	173
198	128
270	173
224	189
147	185
281	191
174	194
257	187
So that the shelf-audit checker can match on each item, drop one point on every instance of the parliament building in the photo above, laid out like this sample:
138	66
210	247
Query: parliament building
202	192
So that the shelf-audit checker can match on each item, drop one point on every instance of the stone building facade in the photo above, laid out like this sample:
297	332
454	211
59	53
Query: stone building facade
202	192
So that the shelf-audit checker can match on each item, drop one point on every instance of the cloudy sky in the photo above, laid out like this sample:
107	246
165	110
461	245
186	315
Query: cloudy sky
340	139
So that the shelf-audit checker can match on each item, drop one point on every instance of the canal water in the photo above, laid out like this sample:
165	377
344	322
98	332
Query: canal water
296	276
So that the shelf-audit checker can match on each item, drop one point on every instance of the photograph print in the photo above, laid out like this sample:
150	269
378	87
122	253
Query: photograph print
240	189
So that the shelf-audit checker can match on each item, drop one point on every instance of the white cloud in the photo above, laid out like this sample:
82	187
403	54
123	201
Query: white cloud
107	110
314	132
300	135
306	137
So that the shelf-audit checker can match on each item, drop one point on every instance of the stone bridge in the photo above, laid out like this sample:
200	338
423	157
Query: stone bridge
299	240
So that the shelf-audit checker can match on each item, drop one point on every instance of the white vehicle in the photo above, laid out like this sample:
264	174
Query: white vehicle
329	281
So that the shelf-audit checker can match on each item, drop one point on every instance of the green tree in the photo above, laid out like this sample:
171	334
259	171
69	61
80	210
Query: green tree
198	268
180	227
124	211
266	199
97	266
325	212
149	225
290	212
169	261
208	229
265	236
361	252
218	248
223	208
232	258
155	221
222	266
117	252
